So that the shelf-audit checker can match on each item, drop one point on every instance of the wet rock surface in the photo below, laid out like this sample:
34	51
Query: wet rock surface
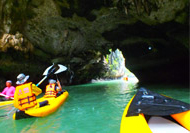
153	37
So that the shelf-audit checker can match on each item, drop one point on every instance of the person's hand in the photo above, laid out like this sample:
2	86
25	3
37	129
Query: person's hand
59	85
7	97
10	97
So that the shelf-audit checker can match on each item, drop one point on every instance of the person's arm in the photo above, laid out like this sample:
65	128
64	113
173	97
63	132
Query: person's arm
4	91
59	85
12	92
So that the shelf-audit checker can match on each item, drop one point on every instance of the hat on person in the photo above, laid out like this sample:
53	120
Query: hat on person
21	78
51	81
9	81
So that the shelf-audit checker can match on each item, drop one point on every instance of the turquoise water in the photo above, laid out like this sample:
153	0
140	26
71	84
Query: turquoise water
90	108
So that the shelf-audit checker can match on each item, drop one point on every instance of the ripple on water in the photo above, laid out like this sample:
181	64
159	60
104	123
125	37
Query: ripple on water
90	108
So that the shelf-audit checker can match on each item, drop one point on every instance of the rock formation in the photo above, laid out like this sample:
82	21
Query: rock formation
152	35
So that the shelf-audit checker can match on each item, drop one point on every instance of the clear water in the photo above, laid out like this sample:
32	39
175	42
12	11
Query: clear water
90	108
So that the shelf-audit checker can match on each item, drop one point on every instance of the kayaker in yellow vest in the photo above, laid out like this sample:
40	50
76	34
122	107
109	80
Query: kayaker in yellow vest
53	89
25	93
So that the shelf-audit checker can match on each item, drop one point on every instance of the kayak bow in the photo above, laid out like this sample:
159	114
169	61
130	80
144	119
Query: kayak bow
149	112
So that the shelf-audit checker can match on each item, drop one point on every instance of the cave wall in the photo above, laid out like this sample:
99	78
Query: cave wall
153	36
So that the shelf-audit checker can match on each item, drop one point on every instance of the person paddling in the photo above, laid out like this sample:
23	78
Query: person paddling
53	89
8	91
25	94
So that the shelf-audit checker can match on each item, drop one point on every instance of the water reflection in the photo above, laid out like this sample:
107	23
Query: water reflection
96	107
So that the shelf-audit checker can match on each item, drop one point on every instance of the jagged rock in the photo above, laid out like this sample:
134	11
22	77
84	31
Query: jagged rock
115	64
15	41
150	34
155	12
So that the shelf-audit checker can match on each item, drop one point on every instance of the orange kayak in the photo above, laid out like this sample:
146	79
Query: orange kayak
149	112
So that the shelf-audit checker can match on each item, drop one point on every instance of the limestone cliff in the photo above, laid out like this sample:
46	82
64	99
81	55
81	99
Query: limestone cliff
153	36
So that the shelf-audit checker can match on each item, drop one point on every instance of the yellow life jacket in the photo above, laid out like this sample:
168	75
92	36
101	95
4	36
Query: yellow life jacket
50	91
25	97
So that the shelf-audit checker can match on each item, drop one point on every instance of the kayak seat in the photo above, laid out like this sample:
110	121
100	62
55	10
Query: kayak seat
60	92
44	103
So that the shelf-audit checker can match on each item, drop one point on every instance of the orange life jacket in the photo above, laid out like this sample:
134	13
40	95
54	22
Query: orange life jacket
50	91
26	98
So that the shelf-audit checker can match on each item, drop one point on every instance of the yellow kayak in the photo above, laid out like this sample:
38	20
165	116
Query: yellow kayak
149	112
53	105
6	102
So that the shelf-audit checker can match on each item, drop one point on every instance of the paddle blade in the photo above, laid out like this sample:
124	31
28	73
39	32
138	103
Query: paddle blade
55	69
51	70
61	69
36	90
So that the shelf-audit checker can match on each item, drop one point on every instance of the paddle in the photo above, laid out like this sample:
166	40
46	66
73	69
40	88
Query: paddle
6	96
53	69
61	69
8	112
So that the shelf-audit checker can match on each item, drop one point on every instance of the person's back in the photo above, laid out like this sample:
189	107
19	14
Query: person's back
25	94
52	88
24	98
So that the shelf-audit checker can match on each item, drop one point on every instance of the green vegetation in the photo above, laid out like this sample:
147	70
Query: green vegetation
115	63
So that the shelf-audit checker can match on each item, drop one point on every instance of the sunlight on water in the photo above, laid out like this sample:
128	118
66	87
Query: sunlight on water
96	107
